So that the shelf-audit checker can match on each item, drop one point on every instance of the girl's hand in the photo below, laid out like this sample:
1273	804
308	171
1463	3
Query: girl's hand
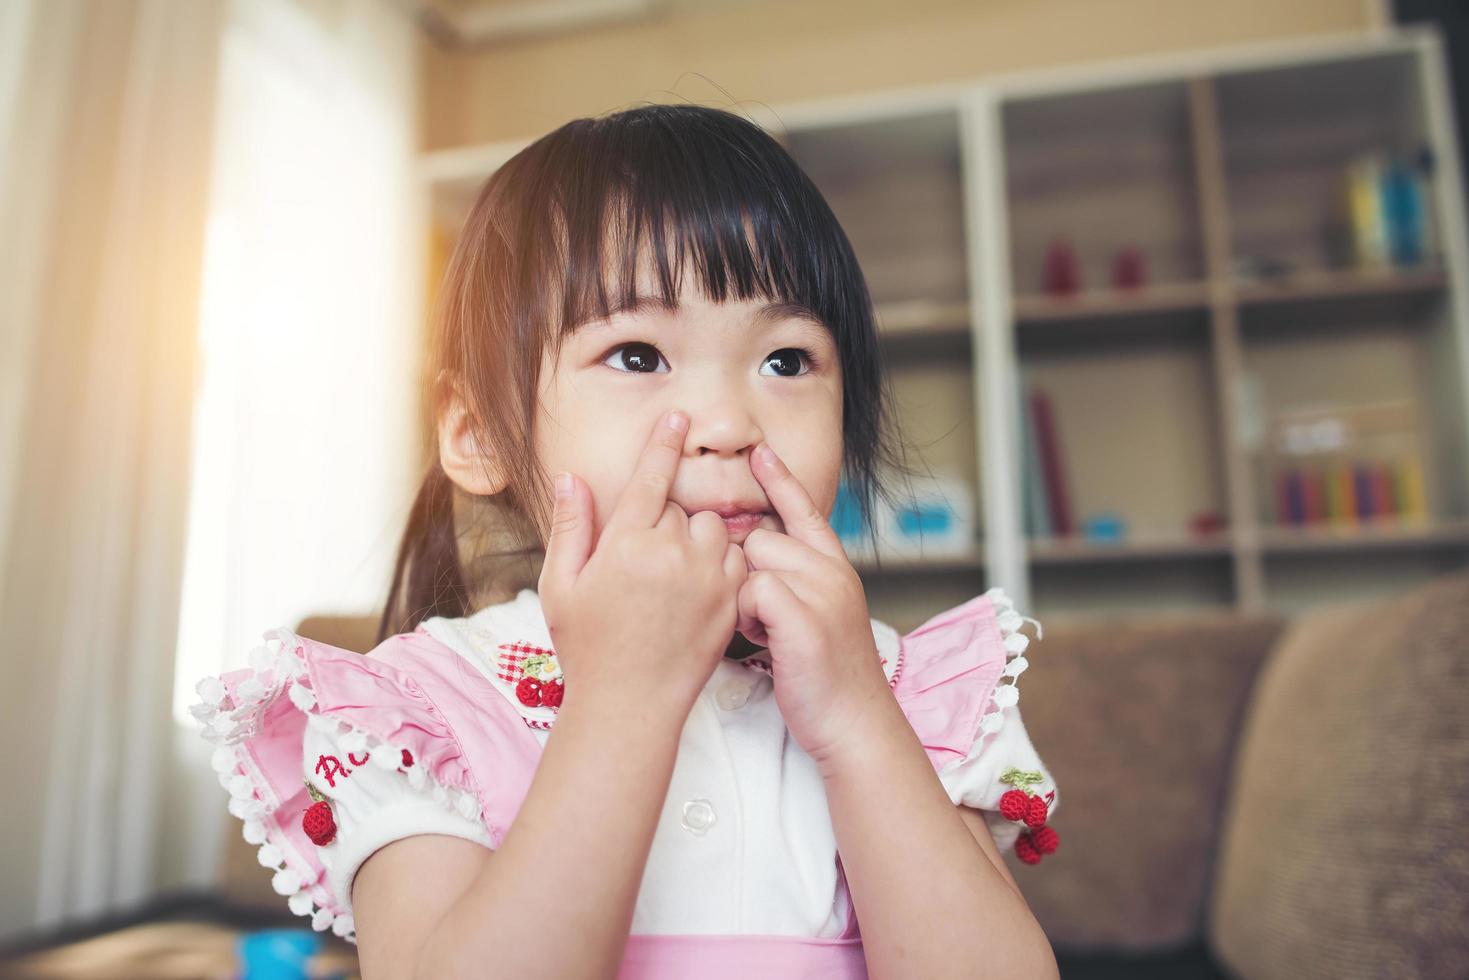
643	619
805	601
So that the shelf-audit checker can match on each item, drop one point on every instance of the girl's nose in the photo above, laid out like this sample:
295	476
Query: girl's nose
726	429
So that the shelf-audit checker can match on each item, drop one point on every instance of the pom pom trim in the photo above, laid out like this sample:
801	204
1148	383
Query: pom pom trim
1004	695
279	667
1015	642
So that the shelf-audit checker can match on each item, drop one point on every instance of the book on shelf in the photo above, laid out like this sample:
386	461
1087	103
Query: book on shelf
1387	211
1349	492
1048	445
1047	504
1347	464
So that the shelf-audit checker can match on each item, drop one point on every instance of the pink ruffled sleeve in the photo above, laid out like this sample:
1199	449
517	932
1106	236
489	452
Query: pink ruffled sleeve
957	682
387	741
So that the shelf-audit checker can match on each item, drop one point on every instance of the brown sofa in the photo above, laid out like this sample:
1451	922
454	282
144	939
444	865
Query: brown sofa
1247	796
1258	797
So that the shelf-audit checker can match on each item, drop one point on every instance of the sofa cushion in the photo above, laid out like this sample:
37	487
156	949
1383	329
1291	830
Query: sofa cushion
1137	720
1345	851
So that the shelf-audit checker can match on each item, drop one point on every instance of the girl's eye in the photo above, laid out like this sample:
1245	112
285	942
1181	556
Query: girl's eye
634	358
790	360
643	358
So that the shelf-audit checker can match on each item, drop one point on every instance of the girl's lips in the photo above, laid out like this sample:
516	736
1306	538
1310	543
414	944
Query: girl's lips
740	523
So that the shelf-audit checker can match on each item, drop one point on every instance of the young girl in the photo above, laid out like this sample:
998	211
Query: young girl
688	751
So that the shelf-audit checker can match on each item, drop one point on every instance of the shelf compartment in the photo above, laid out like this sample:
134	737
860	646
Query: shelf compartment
1102	170
1288	135
1137	427
896	186
1383	349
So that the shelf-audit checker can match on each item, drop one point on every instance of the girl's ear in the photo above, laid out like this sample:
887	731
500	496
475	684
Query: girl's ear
472	467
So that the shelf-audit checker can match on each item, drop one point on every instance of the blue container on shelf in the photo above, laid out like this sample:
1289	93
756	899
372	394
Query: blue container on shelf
276	954
1108	526
925	518
846	514
936	522
1404	209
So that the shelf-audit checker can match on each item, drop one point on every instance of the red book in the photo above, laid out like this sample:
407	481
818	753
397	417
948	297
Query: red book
1382	489
1050	452
1314	486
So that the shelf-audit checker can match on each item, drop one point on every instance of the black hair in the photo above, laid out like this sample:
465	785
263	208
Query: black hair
684	185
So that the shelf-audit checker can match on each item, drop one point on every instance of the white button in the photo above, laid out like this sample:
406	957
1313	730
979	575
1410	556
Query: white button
733	694
698	816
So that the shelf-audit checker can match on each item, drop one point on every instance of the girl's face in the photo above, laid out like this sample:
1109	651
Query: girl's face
743	371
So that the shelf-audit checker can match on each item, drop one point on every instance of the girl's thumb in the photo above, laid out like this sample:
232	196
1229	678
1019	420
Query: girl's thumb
569	544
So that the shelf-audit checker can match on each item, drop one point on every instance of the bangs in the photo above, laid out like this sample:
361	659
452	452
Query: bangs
625	205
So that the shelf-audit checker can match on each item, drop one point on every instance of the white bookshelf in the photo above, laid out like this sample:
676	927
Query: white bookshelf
951	195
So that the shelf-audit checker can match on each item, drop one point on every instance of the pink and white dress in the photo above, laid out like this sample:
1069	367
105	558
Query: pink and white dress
434	732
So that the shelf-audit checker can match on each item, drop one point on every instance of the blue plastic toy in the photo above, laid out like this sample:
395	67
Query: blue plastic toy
276	954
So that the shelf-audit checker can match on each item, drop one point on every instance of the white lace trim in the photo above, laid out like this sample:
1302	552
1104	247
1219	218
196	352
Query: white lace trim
279	665
1004	695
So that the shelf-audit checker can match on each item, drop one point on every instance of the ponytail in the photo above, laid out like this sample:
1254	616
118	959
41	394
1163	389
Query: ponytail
427	578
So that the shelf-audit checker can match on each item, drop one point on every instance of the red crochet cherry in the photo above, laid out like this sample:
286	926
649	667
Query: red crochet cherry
319	824
529	691
1014	805
1035	813
1026	850
552	693
1046	840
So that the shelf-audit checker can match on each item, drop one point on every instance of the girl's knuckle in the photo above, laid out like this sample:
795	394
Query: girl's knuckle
653	480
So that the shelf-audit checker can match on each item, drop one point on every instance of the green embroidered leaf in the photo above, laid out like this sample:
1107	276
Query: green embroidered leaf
1021	778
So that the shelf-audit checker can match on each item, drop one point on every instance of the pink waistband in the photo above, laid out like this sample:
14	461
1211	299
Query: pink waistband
740	957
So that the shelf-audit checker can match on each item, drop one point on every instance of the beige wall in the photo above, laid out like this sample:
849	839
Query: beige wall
780	51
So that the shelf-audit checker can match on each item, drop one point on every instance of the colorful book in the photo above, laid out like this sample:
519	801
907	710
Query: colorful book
1408	475
1382	494
1365	212
1314	492
1292	506
1342	494
1362	483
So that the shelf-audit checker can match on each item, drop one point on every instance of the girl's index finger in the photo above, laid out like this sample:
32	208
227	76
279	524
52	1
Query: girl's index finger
646	494
800	515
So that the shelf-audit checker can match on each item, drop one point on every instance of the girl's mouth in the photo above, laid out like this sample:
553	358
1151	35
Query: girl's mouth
744	521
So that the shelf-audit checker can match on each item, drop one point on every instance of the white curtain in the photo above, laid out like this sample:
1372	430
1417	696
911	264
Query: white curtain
210	271
107	115
306	435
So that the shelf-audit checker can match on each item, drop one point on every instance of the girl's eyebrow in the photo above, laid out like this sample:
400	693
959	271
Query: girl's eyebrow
767	315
